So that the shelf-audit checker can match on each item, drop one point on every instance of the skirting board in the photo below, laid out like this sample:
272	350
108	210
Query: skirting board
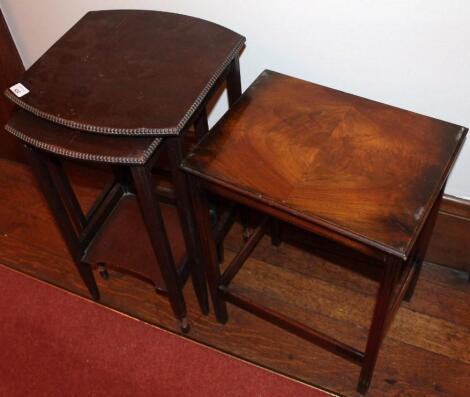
450	243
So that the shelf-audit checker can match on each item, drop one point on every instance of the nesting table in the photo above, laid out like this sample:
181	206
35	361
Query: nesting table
123	88
365	177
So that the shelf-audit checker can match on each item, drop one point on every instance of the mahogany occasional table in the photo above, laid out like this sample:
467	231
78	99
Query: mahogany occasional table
364	177
123	88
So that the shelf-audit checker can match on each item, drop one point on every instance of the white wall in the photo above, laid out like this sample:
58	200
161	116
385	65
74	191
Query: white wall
413	54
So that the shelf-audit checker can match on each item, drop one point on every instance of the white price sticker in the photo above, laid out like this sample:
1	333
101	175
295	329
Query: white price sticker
19	90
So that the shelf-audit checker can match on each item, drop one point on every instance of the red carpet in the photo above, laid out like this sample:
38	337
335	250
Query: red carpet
53	343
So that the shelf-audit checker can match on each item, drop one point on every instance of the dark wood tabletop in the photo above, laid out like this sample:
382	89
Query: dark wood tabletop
74	144
360	168
129	72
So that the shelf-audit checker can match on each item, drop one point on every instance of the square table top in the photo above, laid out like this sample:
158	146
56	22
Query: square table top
128	72
356	167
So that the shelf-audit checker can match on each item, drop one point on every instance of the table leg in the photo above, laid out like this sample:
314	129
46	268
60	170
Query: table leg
43	170
234	87
63	187
202	128
414	281
183	205
207	246
379	322
234	91
422	246
151	214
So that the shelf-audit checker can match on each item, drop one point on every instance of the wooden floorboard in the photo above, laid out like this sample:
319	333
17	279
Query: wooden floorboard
425	354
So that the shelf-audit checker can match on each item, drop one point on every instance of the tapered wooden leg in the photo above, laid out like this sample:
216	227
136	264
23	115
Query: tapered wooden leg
183	204
41	166
207	247
68	197
153	220
414	281
379	322
422	246
88	278
234	87
234	91
201	126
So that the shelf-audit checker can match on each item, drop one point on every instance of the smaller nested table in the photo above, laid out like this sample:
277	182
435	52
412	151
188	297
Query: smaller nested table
364	177
123	88
134	224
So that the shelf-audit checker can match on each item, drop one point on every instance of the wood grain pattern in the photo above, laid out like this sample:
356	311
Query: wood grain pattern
335	165
358	167
420	367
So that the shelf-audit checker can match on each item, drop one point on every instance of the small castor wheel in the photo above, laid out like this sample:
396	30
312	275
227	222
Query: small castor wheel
103	272
185	327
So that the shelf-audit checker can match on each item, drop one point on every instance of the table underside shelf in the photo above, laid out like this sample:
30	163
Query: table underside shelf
291	325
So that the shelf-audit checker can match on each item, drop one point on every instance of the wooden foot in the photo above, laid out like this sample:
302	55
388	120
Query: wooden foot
363	386
185	327
87	276
379	323
222	316
103	271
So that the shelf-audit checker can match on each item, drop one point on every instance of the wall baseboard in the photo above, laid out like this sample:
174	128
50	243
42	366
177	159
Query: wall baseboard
450	242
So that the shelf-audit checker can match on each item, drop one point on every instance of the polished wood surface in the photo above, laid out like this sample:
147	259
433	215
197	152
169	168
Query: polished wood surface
129	72
73	143
355	167
426	353
336	165
130	196
11	67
